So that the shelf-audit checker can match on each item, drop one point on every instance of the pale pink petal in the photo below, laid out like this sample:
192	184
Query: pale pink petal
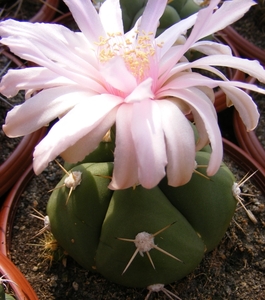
208	22
180	143
183	80
204	108
244	105
168	38
110	16
141	92
36	78
165	64
131	34
87	19
43	108
29	51
203	138
55	41
211	48
117	75
228	13
153	11
90	141
54	47
251	67
67	132
125	173
149	142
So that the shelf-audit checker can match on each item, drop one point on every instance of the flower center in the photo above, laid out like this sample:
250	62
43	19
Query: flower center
136	51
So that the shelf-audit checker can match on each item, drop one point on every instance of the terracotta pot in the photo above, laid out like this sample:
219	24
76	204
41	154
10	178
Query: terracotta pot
47	12
243	46
21	157
19	284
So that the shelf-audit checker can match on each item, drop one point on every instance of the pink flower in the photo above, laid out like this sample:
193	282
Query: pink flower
144	85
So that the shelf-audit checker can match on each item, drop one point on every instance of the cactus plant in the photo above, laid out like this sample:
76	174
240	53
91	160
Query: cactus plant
139	237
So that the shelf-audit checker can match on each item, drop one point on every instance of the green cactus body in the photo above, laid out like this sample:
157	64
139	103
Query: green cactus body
169	18
3	295
103	153
208	204
188	9
177	4
2	292
136	210
77	224
129	10
93	224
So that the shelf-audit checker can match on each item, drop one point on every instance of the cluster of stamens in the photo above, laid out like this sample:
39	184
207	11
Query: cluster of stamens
136	51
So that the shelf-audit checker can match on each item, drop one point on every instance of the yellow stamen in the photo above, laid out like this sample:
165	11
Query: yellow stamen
136	53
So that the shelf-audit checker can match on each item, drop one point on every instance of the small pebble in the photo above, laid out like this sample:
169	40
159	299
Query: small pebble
75	285
35	269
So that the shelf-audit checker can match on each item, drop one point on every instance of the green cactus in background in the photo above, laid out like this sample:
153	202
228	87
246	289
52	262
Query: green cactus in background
174	12
138	237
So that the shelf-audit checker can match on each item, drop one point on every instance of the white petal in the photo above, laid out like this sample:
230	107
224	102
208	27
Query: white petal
203	109
208	22
180	143
141	92
75	125
117	75
42	108
228	13
87	19
251	67
29	51
153	11
149	142
125	173
55	42
90	141
168	38
211	48
110	16
36	78
244	105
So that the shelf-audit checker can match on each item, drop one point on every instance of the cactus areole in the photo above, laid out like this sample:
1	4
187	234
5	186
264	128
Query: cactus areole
138	237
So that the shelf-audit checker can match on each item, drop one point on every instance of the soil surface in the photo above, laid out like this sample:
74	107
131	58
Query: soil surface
234	270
